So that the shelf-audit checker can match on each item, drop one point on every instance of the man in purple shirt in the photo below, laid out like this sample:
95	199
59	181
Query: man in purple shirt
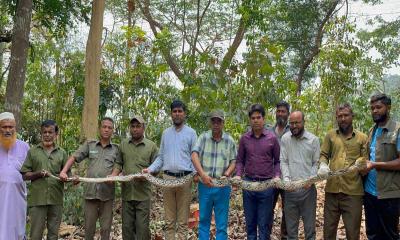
12	187
258	160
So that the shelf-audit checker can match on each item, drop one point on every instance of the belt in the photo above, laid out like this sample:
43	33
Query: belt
177	174
256	179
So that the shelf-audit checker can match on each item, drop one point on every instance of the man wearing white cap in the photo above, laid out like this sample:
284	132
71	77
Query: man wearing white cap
12	186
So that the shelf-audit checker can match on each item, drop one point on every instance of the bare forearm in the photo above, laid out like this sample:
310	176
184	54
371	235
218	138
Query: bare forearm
32	176
230	169
391	165
68	164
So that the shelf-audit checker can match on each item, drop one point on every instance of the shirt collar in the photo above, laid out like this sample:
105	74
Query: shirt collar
353	134
40	145
209	135
99	143
263	133
387	126
141	141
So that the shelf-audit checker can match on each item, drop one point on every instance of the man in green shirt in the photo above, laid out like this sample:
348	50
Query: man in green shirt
46	194
342	148
99	197
137	153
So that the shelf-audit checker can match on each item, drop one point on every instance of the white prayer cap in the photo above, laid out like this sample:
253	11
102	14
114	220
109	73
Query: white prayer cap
6	115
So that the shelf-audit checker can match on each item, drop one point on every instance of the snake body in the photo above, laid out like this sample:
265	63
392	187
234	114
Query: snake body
246	185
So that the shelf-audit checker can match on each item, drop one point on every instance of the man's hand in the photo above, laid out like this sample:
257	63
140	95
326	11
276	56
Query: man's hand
307	186
207	180
323	170
196	178
63	176
236	179
370	166
145	170
44	173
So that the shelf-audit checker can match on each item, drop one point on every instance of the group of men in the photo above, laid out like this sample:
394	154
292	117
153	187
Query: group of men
285	151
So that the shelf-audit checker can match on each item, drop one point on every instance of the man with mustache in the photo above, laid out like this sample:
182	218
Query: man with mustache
177	143
46	194
12	187
137	153
280	128
299	155
382	182
99	197
342	148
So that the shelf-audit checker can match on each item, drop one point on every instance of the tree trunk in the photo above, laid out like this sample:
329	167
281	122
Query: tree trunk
92	72
18	60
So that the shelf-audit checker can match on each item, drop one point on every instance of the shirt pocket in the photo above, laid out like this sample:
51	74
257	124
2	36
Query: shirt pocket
389	138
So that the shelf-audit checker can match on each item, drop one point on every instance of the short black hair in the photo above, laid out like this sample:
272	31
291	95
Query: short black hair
178	104
48	123
283	104
344	106
257	108
107	119
385	99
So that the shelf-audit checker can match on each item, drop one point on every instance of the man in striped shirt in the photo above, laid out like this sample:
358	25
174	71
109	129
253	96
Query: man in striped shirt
214	156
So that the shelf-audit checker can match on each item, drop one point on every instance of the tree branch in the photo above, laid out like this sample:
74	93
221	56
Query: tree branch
233	48
165	52
316	48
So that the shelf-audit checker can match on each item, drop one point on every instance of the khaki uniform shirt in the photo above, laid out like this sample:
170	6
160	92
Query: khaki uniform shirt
134	158
101	163
339	152
45	191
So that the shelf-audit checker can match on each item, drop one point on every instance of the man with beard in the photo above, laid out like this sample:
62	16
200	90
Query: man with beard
46	194
12	187
214	156
99	197
342	148
299	155
137	153
280	128
382	183
258	160
176	146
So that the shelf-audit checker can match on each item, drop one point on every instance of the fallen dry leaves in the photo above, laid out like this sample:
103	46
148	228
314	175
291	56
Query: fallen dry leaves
236	229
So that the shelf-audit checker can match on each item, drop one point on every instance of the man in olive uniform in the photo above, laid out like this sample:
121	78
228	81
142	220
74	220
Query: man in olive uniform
99	197
137	153
46	194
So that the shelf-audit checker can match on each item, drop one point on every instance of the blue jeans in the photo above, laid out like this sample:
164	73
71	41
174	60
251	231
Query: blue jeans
258	212
218	199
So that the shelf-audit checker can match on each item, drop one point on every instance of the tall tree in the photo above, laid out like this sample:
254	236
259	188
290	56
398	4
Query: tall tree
19	53
92	72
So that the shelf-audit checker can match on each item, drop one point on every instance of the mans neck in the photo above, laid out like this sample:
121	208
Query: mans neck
105	141
217	136
257	132
49	147
137	140
179	127
346	132
383	123
280	128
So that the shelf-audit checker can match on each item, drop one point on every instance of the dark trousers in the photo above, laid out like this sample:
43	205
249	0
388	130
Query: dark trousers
302	204
97	209
381	217
136	220
283	221
347	206
258	213
45	216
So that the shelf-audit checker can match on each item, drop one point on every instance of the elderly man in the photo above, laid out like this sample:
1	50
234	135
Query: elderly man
214	156
12	187
137	153
46	194
343	147
300	152
382	183
258	160
99	197
176	146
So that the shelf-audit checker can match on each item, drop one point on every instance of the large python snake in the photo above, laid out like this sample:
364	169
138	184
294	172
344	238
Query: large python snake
246	185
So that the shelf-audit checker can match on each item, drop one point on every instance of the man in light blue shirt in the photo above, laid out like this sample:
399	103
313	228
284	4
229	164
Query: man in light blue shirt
177	143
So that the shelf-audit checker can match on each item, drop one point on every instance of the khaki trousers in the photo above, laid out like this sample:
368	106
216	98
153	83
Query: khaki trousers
347	206
176	207
39	215
97	209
